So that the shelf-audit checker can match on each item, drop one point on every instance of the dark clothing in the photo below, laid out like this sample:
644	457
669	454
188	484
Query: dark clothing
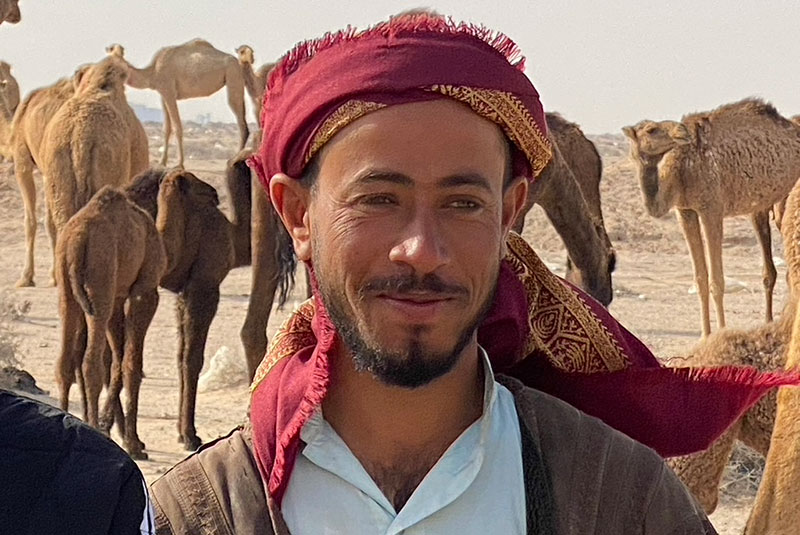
581	477
58	475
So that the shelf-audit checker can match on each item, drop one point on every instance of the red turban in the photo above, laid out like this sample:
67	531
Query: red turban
322	86
541	330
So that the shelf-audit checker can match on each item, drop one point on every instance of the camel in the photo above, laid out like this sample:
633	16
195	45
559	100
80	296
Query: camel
574	169
201	247
9	11
189	70
741	158
30	121
93	140
775	510
109	261
254	81
9	101
764	348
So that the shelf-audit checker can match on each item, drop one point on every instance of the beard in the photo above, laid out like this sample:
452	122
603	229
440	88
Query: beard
415	365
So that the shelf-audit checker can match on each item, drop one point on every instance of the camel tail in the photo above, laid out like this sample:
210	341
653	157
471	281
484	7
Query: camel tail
285	259
76	271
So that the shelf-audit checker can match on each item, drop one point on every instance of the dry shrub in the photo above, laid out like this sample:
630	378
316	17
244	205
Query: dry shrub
742	475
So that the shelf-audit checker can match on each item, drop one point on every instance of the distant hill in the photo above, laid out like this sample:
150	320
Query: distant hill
147	114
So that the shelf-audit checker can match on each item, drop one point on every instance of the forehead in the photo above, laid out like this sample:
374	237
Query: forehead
431	138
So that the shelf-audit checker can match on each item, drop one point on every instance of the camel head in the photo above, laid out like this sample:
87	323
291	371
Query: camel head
115	49
651	140
9	11
108	75
5	70
245	54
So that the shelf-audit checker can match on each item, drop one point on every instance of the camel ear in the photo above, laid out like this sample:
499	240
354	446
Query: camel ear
80	72
680	134
629	132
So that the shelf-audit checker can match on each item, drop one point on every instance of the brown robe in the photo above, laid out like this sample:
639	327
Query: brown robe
581	477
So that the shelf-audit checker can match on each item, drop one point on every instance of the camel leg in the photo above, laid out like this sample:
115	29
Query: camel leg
23	170
175	118
760	222
264	280
116	340
52	232
694	240
141	310
712	229
200	302
93	364
701	472
235	88
167	133
73	346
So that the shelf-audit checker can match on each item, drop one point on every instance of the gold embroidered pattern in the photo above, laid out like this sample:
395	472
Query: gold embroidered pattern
343	116
293	335
562	325
510	114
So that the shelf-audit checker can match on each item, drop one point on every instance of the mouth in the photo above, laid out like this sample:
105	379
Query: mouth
417	307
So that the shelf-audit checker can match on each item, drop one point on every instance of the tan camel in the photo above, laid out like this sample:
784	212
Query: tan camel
775	511
109	261
764	348
200	246
9	101
254	81
9	11
575	168
189	70
741	158
30	121
93	140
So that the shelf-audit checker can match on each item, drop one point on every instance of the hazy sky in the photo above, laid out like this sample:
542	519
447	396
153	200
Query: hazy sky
602	64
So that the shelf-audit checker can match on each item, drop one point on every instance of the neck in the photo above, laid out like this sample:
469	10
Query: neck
402	431
140	78
657	200
250	81
171	229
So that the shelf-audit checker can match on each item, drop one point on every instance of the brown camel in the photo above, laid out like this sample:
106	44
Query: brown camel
109	255
189	70
93	140
30	121
9	101
775	511
254	81
560	192
741	158
9	11
764	348
200	244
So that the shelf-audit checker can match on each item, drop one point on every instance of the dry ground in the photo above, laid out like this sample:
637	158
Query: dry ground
652	299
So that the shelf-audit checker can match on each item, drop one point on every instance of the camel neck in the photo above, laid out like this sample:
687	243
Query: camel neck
656	198
141	78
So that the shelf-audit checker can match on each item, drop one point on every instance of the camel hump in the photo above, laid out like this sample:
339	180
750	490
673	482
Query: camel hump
108	195
198	42
556	122
749	107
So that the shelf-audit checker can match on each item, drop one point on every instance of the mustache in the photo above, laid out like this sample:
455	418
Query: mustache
410	284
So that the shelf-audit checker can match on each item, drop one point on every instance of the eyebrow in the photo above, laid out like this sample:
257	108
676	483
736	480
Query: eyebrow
452	181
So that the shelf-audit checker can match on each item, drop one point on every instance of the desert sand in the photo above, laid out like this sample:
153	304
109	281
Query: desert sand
652	298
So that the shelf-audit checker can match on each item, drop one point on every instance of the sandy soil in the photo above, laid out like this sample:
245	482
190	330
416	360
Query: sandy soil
651	283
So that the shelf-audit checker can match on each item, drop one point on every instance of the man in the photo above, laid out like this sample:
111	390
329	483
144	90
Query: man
398	158
61	476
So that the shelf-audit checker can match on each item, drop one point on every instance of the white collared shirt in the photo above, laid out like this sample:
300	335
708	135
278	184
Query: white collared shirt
476	487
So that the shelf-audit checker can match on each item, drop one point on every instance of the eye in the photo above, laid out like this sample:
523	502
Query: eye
464	204
377	199
650	129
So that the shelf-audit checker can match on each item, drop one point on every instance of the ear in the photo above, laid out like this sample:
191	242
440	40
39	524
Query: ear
79	74
629	132
680	134
515	198
291	201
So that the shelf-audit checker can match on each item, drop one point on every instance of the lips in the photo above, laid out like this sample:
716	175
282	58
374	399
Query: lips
417	308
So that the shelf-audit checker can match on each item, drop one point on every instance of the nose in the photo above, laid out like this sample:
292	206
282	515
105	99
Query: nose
421	245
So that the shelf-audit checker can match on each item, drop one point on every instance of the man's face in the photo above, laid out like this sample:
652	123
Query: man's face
407	222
